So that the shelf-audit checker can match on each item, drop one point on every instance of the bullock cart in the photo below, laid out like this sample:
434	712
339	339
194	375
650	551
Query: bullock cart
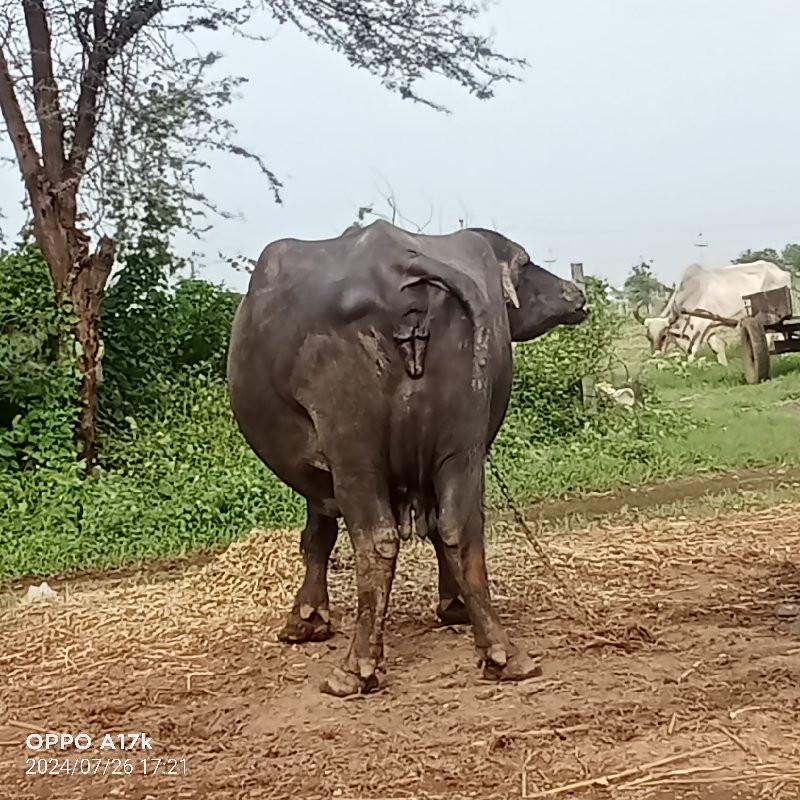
766	312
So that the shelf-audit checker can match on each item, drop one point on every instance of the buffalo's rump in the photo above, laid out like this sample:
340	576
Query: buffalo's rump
341	368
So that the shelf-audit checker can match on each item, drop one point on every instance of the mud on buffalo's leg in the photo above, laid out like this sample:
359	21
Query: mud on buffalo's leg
451	609
461	527
309	619
375	547
375	552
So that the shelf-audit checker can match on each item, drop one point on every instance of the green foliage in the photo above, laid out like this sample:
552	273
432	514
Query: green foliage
155	326
674	371
767	254
550	443
641	287
788	258
184	481
791	258
620	447
548	371
180	469
38	381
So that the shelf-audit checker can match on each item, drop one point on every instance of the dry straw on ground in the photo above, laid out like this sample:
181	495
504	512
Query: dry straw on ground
616	571
693	622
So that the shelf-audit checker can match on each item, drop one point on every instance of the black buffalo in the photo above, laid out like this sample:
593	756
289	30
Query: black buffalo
371	373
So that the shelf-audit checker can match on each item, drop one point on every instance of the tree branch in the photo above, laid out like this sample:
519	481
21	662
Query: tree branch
25	149
125	28
45	91
403	42
99	20
106	45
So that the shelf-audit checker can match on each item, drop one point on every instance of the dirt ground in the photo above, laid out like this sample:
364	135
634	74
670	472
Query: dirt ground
683	682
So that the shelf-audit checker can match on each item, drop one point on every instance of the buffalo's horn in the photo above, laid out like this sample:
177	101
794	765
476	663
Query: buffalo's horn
637	316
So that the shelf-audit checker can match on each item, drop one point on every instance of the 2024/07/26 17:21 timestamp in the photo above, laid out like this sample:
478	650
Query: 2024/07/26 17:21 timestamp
106	766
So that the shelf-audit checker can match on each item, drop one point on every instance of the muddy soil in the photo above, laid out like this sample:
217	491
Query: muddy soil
596	505
681	683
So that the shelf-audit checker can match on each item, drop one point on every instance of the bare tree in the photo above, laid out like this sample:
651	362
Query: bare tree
109	121
394	215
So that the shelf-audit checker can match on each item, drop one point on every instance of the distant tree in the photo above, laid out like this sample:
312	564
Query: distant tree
767	254
617	295
788	258
791	259
641	287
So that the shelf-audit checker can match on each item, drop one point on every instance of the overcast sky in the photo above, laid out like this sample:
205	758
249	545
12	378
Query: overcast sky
637	126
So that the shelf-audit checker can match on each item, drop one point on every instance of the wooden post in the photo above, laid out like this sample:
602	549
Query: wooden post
587	382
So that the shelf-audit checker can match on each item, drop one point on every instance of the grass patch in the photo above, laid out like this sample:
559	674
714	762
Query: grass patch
733	424
184	481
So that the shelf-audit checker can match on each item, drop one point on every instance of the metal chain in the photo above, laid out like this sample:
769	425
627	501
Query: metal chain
577	605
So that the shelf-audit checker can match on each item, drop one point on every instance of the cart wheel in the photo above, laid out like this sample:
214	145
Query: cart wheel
755	350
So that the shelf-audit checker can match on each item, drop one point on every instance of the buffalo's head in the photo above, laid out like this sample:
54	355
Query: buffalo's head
537	300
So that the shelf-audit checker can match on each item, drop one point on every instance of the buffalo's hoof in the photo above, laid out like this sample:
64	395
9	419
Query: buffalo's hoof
315	628
453	612
346	684
497	666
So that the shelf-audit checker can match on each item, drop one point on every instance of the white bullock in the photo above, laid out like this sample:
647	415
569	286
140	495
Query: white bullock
718	290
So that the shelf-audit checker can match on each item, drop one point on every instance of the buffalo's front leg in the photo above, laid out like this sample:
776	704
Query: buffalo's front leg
375	549
310	619
461	527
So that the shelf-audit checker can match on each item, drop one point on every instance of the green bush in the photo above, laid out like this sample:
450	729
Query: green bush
182	476
551	443
548	371
38	380
156	325
619	446
184	481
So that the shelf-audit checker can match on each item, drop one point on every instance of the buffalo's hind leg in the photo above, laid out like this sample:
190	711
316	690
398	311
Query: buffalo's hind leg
376	542
310	619
451	609
461	528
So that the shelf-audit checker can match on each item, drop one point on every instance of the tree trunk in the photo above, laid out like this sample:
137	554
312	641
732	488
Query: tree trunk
79	276
52	180
86	291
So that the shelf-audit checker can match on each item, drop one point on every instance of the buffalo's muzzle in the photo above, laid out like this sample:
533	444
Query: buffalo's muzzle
572	294
576	299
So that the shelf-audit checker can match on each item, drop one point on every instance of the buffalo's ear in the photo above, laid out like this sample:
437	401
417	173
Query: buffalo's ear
509	272
508	283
